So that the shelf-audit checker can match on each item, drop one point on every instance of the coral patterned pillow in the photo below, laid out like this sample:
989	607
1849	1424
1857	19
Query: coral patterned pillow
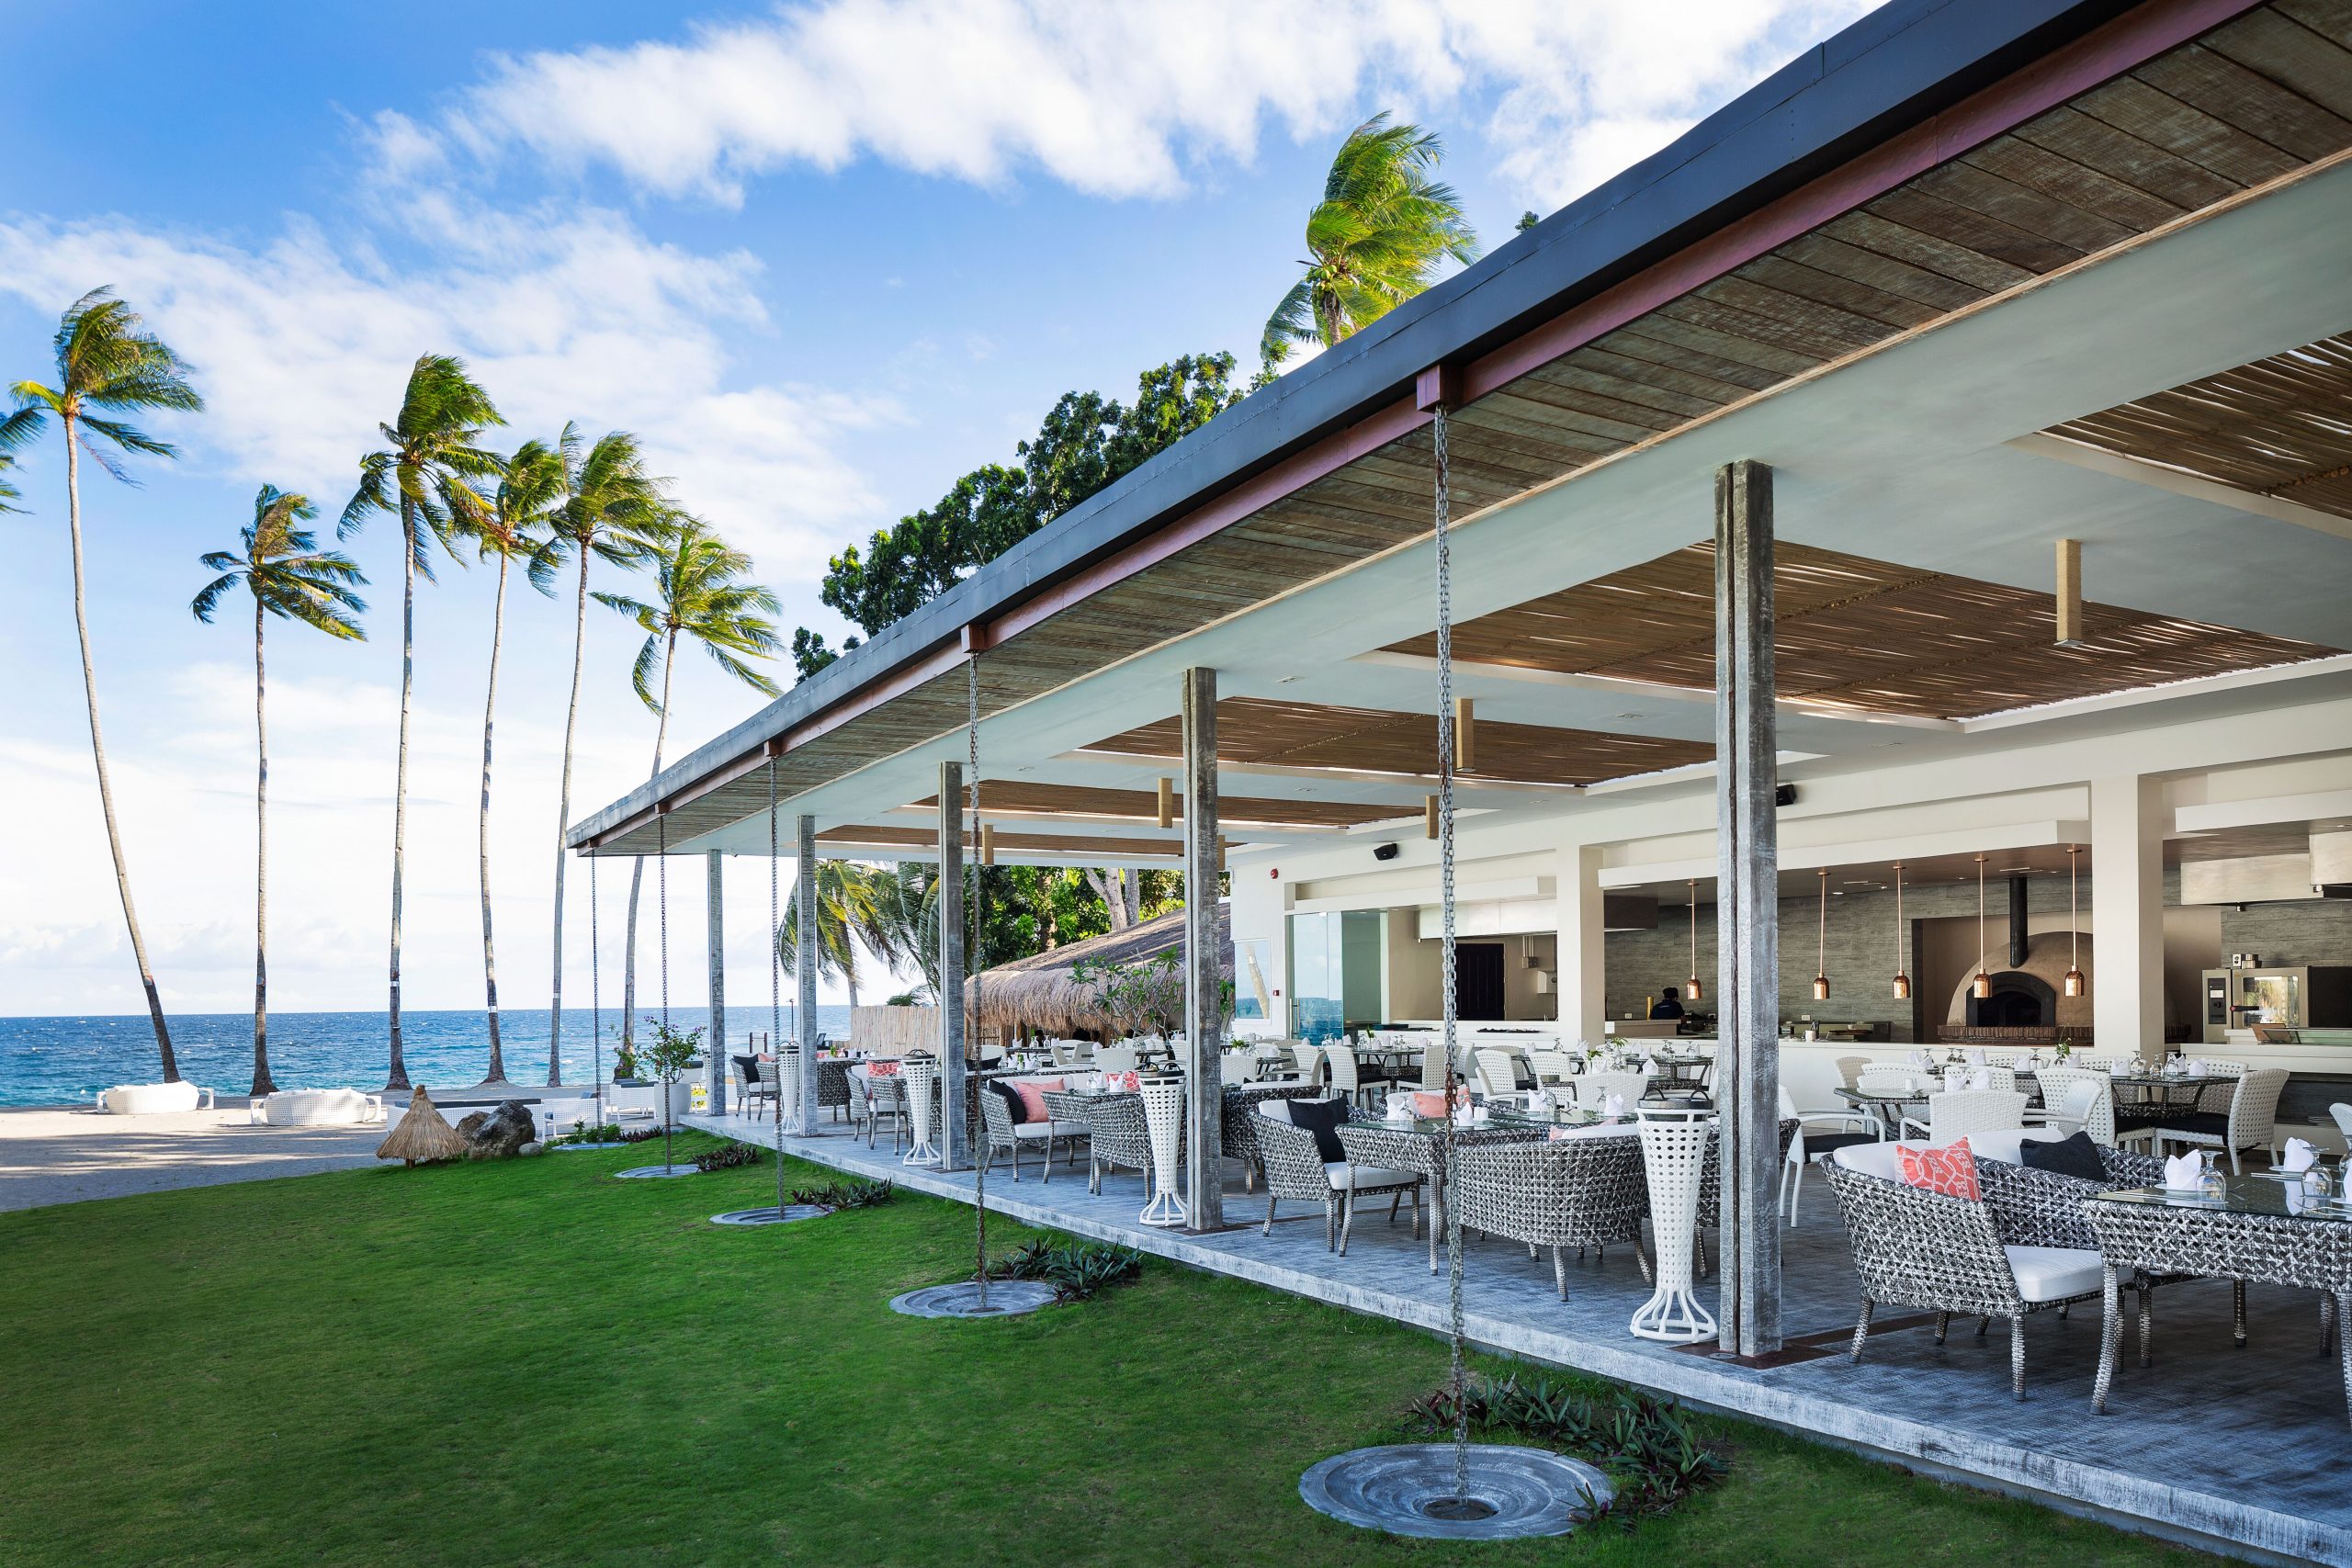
1950	1171
881	1070
1032	1097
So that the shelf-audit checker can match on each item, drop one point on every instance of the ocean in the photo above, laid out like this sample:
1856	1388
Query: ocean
65	1061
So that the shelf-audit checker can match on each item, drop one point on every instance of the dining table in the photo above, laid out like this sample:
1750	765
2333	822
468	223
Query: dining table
1417	1144
2260	1230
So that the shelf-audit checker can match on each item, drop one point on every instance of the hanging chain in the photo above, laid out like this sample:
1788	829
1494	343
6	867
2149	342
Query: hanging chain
661	894
595	999
1456	1374
775	994
971	950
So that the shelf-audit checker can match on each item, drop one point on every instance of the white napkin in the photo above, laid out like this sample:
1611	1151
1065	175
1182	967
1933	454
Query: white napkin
1976	1057
2298	1156
2196	1067
1649	1066
2118	1070
2182	1173
1613	1104
1921	1059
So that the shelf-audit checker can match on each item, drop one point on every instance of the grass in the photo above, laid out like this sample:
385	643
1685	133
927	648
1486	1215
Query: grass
531	1363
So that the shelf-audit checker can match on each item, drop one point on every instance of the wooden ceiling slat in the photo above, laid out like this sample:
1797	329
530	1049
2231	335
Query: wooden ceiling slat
1965	183
2129	104
1091	801
2331	19
2221	87
1655	389
1975	230
2291	54
1837	289
2074	183
2126	159
1868	230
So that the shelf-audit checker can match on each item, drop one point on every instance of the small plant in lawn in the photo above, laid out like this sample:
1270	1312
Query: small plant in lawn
1075	1269
667	1057
582	1133
837	1195
728	1156
1647	1445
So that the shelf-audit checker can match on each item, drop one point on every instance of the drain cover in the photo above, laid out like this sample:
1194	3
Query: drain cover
769	1216
1007	1298
655	1172
1408	1489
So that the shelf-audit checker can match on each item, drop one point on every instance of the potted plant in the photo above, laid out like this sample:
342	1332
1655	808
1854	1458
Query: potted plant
668	1056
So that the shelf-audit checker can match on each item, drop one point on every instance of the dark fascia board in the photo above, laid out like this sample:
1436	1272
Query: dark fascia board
1892	69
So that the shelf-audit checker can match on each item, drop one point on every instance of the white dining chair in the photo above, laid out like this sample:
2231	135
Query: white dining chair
1495	1074
1955	1114
1829	1130
1592	1090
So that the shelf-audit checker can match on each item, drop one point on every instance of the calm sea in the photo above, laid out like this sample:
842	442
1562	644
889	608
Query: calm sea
65	1061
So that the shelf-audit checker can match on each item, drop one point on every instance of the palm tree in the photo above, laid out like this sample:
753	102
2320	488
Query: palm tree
1375	239
8	491
611	510
698	593
422	476
106	359
518	526
289	576
847	914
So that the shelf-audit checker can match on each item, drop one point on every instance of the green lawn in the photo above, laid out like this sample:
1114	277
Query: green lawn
531	1363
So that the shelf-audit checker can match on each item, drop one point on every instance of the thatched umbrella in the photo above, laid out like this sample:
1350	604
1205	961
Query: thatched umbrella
1042	992
423	1135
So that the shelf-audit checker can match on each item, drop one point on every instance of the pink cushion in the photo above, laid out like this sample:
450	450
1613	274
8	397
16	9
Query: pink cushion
881	1070
1951	1169
1032	1097
1131	1082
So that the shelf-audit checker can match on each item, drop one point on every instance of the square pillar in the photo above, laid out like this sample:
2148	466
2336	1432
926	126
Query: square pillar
1747	913
1203	966
1583	951
714	1050
955	1134
803	914
2127	821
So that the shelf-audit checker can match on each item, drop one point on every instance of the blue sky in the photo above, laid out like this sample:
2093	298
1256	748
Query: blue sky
823	257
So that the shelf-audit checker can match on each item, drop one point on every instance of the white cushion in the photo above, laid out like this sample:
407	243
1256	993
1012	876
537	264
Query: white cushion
1598	1130
1872	1159
1336	1172
2054	1273
1275	1110
2007	1146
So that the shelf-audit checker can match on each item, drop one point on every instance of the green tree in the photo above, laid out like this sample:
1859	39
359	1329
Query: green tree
612	512
1085	443
1384	225
426	476
517	525
106	360
699	594
8	491
1526	221
848	916
289	576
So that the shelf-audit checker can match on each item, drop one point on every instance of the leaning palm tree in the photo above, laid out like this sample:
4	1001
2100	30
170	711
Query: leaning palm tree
517	526
1375	239
289	576
699	594
612	510
847	914
424	476
106	360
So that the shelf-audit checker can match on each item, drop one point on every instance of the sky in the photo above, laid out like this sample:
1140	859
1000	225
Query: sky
820	257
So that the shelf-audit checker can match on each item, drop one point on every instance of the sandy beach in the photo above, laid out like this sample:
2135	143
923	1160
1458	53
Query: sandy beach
68	1154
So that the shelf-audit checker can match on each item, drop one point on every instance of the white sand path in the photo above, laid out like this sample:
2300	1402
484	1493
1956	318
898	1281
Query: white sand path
55	1156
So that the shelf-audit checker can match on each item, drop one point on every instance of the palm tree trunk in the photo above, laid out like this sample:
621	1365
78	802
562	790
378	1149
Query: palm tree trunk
564	821
397	1077
98	753
637	865
489	709
262	1082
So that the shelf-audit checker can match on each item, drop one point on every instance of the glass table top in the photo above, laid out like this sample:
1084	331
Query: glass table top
2242	1195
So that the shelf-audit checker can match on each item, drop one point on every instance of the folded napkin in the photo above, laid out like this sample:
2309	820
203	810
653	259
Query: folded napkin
2298	1156
1613	1104
2196	1067
2183	1172
1976	1057
1921	1059
2118	1070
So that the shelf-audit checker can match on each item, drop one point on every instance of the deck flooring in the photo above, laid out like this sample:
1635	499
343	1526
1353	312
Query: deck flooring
2236	1450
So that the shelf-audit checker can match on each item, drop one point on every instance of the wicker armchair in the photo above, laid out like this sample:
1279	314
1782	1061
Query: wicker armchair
873	1102
1238	1125
1580	1192
1948	1255
832	1085
2250	1123
1118	1138
1296	1170
1006	1134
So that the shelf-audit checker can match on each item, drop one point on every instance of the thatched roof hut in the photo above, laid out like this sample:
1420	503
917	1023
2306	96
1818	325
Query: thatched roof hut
1039	993
423	1135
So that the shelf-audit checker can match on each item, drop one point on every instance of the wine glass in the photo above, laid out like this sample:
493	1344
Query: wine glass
2211	1184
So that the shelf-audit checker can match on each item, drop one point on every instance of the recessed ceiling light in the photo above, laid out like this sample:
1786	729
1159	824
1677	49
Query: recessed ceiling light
2016	870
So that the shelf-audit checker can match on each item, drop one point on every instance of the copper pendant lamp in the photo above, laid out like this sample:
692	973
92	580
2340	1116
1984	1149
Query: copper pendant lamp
1821	973
1982	987
2074	983
1902	941
1691	986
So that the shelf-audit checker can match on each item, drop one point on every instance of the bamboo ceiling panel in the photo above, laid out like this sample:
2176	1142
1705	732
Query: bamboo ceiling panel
1312	735
1859	633
1142	806
2281	427
2266	94
1013	843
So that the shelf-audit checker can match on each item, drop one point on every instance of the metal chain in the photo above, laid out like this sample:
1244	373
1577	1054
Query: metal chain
775	994
1456	1376
661	893
595	1000
971	949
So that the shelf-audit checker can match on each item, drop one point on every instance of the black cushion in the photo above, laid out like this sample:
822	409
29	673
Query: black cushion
2212	1124
1011	1101
1321	1117
1829	1143
2076	1156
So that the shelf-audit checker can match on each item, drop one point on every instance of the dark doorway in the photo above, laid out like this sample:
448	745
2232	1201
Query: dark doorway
2019	1001
1478	980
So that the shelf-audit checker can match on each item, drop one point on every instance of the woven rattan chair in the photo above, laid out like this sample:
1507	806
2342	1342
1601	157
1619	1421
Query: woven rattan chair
1117	1138
1955	1114
757	1079
1553	1068
1594	1088
1495	1071
1238	1123
1949	1255
1849	1070
873	1102
2251	1121
832	1086
1296	1170
2214	1097
2075	1100
1580	1192
1065	1124
1817	1133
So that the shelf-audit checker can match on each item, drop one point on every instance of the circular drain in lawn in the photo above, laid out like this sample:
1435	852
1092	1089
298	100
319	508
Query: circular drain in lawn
1007	1298
769	1216
655	1172
1408	1489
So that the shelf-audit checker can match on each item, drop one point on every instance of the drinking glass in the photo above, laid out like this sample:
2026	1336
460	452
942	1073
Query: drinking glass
2211	1185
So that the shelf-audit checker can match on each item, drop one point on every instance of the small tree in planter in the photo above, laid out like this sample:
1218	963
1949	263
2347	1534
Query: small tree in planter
1148	996
667	1058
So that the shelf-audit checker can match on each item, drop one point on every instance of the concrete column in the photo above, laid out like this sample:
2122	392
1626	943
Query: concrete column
1583	953
804	914
2128	916
1204	972
714	1052
955	1136
1747	909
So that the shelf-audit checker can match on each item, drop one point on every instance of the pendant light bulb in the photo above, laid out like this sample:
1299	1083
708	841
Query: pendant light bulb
1691	986
1902	939
1821	972
1983	985
2074	983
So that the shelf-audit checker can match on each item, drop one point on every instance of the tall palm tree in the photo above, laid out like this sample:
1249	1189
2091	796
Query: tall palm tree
518	526
425	475
8	491
1375	240
612	510
700	595
106	360
289	576
847	915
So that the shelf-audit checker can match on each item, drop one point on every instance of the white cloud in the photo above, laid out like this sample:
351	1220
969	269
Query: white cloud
1117	100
